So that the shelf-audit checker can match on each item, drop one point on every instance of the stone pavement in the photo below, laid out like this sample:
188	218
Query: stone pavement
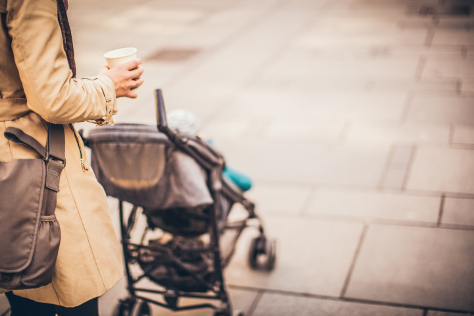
355	119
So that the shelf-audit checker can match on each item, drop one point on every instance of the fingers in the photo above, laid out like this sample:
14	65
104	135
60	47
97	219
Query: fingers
136	73
130	65
136	83
131	93
127	77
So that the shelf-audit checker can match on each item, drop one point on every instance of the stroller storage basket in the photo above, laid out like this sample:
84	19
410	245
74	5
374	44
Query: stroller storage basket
169	264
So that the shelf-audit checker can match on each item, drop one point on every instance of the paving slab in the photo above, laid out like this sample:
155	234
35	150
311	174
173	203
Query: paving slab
455	67
280	305
437	313
279	128
429	170
458	211
467	87
280	198
394	179
316	106
401	156
387	11
441	51
316	164
415	84
454	36
397	169
313	256
311	133
398	133
375	204
294	68
415	266
442	109
463	134
213	82
373	31
229	128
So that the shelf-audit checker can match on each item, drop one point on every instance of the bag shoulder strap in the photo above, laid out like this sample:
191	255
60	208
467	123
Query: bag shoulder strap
16	135
55	142
54	149
56	145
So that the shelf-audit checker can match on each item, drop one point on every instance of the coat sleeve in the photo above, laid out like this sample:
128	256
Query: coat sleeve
50	90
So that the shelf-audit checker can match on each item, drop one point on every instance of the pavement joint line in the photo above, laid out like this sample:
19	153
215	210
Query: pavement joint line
371	188
255	303
452	130
429	37
407	106
458	86
419	68
354	259
309	199
462	146
391	167
441	210
464	51
380	221
409	166
346	299
386	167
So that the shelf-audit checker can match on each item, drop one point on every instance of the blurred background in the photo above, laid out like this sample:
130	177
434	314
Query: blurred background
355	120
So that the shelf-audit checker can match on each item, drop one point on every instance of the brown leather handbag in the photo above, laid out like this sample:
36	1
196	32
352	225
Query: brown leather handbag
29	232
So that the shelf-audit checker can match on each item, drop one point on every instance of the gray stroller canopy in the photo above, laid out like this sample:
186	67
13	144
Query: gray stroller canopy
138	164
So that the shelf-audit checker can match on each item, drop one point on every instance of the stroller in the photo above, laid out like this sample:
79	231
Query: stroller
176	181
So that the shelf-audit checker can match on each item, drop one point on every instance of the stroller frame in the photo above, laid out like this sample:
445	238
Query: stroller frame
261	247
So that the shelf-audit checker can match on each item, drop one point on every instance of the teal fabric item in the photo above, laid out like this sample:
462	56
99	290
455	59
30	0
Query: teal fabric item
241	180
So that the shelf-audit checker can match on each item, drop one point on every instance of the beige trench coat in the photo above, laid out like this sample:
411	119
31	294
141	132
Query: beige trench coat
36	87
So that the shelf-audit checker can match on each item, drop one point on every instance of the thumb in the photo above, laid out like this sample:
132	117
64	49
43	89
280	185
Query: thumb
104	70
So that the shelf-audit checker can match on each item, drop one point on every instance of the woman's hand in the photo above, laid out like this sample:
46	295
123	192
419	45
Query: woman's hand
126	78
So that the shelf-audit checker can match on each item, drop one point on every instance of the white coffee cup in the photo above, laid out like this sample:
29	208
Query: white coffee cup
119	56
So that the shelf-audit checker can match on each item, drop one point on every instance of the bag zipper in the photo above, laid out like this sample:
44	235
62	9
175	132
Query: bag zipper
83	166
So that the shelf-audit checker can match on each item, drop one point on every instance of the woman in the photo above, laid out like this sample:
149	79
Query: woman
37	86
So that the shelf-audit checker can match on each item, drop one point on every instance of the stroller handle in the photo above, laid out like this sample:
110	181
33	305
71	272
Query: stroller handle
160	110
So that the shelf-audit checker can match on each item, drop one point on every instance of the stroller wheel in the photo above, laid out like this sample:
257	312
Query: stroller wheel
262	253
140	308
123	308
171	298
226	313
220	312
